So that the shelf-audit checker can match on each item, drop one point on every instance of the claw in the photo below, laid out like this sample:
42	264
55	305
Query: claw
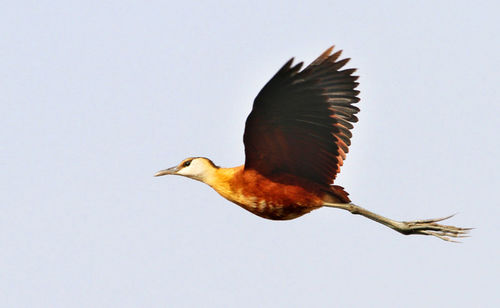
432	219
430	227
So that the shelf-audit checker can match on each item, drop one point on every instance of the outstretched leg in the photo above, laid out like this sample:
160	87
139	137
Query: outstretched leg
425	227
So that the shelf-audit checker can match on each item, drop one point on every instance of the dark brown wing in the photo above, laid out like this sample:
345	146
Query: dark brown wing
300	120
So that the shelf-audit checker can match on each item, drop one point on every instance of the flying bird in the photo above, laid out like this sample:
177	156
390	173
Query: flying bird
296	139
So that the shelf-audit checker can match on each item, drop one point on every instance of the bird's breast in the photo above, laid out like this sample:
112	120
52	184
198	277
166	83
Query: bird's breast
277	199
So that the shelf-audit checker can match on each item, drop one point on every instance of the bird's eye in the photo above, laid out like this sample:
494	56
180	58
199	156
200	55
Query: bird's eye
186	164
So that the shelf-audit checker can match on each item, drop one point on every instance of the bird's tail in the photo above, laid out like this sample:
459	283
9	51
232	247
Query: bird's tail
339	195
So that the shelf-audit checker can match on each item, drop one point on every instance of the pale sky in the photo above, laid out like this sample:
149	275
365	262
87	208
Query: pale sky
98	96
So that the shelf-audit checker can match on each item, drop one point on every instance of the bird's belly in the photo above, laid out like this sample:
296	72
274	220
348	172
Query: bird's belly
277	211
276	204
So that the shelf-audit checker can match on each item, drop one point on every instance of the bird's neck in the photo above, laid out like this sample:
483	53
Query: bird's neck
221	180
221	176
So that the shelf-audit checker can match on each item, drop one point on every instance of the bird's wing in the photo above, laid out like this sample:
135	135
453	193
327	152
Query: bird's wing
301	119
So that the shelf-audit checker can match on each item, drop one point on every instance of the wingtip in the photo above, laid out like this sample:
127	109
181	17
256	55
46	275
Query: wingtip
286	66
328	51
324	56
335	56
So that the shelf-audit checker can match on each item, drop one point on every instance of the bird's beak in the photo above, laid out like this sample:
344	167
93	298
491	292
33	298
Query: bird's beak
172	170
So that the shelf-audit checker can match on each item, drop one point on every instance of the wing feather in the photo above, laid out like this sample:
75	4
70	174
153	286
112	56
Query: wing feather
301	120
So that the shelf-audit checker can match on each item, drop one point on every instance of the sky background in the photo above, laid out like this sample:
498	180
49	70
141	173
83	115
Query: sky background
96	96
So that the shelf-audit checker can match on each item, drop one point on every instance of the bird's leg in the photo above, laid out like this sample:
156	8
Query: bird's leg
425	227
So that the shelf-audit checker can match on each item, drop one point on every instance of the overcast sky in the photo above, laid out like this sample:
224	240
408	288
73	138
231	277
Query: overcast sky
96	96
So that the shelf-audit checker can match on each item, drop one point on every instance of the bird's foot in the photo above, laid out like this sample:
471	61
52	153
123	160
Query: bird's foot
431	227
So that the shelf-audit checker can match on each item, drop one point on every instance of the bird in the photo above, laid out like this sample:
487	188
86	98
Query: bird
296	139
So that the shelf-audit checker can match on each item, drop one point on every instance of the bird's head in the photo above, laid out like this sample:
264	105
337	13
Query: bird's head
197	168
